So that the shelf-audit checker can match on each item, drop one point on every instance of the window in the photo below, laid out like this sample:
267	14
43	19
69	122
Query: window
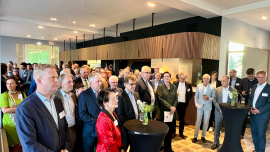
235	60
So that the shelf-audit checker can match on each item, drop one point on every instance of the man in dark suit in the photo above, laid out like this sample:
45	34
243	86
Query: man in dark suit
40	118
25	74
221	96
113	82
260	111
83	78
3	77
185	93
156	81
234	80
153	76
89	110
245	89
69	102
127	105
144	86
121	80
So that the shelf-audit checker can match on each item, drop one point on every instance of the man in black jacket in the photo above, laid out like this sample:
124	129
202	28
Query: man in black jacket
245	90
185	93
234	80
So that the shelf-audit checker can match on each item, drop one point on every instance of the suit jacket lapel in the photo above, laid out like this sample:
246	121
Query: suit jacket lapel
260	95
145	85
42	107
93	96
129	103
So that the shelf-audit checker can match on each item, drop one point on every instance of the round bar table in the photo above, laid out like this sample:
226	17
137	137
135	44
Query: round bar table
233	117
146	138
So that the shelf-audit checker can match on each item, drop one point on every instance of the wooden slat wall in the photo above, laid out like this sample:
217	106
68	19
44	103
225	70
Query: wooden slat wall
129	50
211	47
194	45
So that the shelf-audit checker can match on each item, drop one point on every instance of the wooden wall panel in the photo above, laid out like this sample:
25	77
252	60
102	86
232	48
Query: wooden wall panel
92	54
67	56
114	51
129	50
211	47
74	55
102	52
194	45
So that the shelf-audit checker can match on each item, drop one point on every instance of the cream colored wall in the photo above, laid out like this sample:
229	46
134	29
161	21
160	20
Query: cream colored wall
177	65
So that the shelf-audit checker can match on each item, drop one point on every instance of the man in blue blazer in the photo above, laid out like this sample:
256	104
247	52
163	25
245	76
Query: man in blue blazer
89	110
40	118
260	111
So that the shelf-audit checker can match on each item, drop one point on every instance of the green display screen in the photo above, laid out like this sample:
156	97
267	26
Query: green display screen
38	57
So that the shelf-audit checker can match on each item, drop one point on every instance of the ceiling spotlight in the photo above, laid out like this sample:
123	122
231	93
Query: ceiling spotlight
28	35
75	31
41	27
74	22
38	43
150	4
53	19
264	18
55	39
92	25
42	37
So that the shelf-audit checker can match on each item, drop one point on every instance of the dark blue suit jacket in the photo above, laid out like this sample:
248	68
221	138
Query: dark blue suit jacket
263	101
89	110
33	85
37	129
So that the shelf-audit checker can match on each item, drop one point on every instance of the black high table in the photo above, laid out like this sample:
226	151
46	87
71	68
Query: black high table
146	138
233	117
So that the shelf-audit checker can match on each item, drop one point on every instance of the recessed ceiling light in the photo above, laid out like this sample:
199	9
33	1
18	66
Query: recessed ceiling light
53	19
74	22
75	31
39	43
41	27
92	25
150	4
55	39
42	37
28	35
264	18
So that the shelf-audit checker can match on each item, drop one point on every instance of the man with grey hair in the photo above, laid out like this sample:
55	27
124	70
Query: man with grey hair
69	102
89	110
221	96
113	82
40	118
144	86
203	101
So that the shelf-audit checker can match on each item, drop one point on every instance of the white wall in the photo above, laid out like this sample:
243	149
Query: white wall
233	30
8	46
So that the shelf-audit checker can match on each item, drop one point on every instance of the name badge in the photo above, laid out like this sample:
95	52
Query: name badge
115	123
188	89
20	96
265	94
62	114
237	84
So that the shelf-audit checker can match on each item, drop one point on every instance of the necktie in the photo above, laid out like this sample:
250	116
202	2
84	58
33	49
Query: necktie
134	104
86	84
151	93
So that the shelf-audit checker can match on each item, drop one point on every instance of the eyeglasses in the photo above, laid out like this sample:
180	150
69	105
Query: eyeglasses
132	84
147	72
113	82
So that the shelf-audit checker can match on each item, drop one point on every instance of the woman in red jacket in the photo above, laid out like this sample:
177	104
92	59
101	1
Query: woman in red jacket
108	126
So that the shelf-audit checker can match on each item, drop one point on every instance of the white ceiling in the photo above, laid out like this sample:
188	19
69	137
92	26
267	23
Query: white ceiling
20	18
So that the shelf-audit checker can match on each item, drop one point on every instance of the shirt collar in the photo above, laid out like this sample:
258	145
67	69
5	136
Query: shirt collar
128	91
42	98
262	85
64	94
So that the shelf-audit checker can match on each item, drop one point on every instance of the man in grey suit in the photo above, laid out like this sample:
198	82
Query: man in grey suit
260	111
221	96
156	81
203	101
69	102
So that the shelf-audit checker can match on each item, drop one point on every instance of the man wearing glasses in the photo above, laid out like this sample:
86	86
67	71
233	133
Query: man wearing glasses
127	104
144	86
113	81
